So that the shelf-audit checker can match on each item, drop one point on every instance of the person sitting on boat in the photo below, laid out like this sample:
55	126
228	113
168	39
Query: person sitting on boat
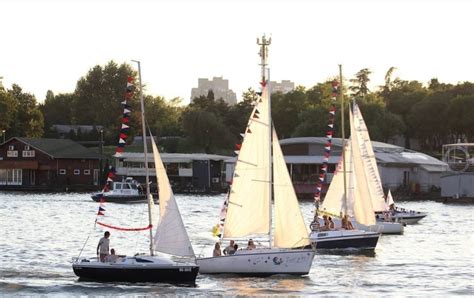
326	223
112	258
331	223
349	225
250	245
235	249
217	250
103	246
229	250
315	226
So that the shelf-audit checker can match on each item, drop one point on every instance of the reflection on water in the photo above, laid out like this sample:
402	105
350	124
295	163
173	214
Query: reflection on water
42	232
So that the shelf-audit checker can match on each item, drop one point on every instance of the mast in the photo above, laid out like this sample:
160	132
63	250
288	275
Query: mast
263	63
145	150
341	95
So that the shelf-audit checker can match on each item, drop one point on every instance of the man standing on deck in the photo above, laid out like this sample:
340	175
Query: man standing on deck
103	246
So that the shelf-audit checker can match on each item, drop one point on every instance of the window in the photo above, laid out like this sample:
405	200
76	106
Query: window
11	177
12	153
11	147
26	148
118	186
126	186
62	171
87	172
30	153
77	172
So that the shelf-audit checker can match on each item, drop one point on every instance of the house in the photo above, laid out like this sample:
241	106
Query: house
47	164
194	173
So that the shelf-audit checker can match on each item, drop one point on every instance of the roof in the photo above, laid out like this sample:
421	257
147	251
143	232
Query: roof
66	128
173	157
60	148
378	146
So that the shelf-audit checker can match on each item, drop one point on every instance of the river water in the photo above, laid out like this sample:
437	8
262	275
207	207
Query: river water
40	233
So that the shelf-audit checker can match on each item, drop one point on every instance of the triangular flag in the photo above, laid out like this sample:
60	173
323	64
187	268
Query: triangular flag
238	146
124	126
248	130
100	213
242	135
236	152
122	141
126	111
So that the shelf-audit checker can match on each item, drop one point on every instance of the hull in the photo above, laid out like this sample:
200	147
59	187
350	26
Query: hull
124	199
408	218
260	262
382	227
344	239
146	269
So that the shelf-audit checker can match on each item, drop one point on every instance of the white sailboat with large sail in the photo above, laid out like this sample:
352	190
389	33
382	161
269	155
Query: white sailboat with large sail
260	175
348	196
170	239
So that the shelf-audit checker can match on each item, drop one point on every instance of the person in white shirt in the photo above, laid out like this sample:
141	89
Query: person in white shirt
103	246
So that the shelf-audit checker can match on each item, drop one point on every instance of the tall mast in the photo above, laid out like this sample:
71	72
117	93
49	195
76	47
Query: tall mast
145	150
341	95
266	84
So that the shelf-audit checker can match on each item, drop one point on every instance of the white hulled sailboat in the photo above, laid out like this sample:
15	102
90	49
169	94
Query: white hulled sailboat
249	211
171	239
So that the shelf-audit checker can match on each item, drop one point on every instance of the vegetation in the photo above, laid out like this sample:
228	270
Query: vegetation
434	114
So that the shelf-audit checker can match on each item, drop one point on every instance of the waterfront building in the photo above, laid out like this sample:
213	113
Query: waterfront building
195	173
400	169
458	180
284	86
47	164
219	86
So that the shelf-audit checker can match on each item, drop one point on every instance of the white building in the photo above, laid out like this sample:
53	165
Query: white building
284	87
219	86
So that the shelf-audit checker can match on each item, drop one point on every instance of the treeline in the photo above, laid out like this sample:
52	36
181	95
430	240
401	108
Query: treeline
434	114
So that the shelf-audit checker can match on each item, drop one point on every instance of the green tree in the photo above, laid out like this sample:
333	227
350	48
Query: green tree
359	86
8	111
28	119
285	110
57	109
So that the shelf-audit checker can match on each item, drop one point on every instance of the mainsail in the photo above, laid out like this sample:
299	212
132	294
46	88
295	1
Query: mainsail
171	236
248	212
359	202
370	164
290	229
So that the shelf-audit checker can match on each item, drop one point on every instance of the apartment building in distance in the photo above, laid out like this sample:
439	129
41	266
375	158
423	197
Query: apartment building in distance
218	85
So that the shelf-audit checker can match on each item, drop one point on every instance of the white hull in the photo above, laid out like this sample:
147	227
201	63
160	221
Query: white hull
382	227
260	262
408	217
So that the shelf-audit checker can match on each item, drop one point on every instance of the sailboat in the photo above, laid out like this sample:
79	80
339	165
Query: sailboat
365	191
261	174
170	240
342	200
402	215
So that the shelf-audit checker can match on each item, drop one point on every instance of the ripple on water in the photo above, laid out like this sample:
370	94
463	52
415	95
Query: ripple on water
42	232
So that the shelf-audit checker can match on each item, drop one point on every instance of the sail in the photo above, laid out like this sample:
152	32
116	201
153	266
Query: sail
334	202
362	201
390	199
370	164
248	212
290	229
171	236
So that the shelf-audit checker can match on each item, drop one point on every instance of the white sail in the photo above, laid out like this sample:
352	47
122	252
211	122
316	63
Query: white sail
390	199
171	236
248	211
290	229
362	202
370	164
334	202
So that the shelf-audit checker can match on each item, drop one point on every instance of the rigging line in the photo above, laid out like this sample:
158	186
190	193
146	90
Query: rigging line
247	162
239	205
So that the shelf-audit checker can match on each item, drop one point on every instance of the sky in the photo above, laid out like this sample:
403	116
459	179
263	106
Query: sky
49	45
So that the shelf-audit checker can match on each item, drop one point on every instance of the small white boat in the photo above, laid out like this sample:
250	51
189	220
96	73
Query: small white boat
260	175
127	191
401	215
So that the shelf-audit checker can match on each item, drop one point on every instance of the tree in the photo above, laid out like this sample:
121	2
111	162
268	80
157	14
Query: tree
285	110
28	119
57	109
359	86
8	111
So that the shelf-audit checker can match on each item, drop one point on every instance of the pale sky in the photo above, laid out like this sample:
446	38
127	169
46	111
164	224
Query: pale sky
51	44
